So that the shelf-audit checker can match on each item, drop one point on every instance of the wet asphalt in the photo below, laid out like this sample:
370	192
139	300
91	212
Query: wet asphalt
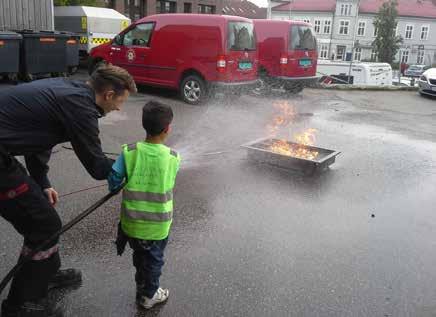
250	239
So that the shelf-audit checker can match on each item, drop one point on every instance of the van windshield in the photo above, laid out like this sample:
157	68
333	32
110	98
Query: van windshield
302	38
240	36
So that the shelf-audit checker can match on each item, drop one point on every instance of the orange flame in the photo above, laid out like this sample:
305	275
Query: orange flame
285	115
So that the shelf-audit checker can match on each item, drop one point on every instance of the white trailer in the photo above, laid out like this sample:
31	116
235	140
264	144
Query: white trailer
362	73
95	26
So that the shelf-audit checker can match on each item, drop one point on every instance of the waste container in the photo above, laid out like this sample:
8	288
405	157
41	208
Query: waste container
42	52
72	53
10	52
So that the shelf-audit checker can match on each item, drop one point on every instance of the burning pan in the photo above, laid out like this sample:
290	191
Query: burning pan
260	151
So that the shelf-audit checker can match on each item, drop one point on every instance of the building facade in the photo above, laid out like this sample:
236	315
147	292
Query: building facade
345	29
136	9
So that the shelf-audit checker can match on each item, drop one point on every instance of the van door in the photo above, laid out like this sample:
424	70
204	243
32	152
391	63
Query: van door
241	51
302	52
132	54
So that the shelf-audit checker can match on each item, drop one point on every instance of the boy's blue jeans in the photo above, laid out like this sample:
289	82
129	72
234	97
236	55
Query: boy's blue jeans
148	259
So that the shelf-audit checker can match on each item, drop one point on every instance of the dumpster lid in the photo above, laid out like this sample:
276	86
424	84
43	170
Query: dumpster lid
43	33
8	35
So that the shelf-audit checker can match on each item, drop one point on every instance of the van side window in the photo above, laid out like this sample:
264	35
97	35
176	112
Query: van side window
140	35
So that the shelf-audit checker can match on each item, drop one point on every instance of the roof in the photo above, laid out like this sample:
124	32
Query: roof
411	8
307	5
244	9
79	11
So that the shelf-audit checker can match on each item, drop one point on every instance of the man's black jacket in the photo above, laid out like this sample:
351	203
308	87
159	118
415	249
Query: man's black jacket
37	116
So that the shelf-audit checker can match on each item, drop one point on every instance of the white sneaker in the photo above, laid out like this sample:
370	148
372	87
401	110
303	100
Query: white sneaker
160	296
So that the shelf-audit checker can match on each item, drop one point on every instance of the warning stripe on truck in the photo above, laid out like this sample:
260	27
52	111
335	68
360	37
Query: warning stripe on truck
83	40
100	40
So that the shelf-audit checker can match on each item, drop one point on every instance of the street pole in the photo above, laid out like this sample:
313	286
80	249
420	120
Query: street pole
290	10
356	22
268	10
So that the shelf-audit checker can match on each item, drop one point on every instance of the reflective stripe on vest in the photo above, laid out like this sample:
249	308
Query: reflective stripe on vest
146	196
147	216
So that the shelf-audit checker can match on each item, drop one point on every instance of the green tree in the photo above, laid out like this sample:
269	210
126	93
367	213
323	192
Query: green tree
91	3
387	43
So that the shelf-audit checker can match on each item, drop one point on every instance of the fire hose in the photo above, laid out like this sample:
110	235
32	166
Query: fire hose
61	231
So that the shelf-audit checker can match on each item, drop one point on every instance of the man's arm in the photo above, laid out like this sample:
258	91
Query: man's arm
84	133
37	165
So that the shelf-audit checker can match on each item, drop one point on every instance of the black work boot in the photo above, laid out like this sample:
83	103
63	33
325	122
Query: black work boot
40	308
64	278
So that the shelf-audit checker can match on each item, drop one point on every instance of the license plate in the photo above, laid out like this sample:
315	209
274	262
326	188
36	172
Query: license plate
305	62
245	65
433	88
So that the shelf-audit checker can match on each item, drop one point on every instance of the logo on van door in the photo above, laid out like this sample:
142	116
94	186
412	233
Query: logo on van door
131	55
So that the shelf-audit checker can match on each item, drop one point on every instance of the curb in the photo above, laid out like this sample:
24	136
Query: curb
370	88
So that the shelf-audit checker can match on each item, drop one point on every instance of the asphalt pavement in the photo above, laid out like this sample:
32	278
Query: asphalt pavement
250	239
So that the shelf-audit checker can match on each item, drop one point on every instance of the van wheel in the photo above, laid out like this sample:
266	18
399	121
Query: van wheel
193	89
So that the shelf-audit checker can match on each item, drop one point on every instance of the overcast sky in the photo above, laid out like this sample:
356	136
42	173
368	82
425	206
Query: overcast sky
260	3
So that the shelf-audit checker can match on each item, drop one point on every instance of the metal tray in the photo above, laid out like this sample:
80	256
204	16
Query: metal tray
260	151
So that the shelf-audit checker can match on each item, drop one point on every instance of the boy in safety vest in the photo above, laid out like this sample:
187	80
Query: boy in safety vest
149	169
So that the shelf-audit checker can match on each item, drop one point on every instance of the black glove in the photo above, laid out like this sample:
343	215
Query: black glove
121	240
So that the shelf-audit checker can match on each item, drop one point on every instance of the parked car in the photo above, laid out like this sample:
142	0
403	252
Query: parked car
188	52
427	82
287	53
415	70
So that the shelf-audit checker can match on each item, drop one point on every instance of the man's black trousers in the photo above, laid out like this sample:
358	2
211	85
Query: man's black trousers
24	205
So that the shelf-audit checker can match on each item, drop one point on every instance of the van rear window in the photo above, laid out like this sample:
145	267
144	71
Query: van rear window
302	38
240	36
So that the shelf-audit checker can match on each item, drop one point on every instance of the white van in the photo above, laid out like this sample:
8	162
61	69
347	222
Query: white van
362	73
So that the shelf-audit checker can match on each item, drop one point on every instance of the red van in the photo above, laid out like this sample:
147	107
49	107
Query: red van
188	52
287	54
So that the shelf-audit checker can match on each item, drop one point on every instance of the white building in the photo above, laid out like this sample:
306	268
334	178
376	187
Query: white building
339	23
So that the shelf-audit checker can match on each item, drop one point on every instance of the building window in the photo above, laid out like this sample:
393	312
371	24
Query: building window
361	28
166	6
375	31
343	27
405	56
317	26
420	57
206	9
374	55
187	7
327	26
346	9
424	32
409	32
323	51
134	9
357	53
306	20
340	52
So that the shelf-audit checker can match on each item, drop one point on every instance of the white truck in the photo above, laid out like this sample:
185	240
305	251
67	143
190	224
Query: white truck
94	25
362	73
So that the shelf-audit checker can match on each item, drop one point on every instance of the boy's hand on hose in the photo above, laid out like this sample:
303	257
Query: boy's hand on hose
52	196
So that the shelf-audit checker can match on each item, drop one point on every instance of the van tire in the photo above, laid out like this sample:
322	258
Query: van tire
193	89
94	63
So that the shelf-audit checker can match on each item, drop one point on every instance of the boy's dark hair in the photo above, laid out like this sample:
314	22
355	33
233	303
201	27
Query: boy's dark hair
156	117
